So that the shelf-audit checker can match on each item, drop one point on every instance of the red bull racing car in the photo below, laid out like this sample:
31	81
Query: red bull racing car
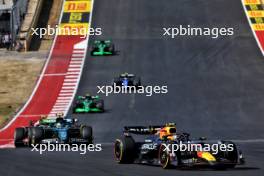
159	144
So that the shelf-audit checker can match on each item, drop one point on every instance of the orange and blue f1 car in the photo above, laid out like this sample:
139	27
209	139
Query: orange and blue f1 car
160	144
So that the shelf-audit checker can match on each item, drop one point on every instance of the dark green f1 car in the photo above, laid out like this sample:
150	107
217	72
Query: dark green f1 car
85	104
102	48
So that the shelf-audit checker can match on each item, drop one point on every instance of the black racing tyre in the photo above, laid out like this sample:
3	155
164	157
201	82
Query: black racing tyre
232	155
112	48
164	158
100	104
87	133
74	110
137	82
19	135
124	150
93	48
117	82
37	135
29	131
79	104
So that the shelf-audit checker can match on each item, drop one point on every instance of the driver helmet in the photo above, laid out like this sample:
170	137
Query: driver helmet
59	115
126	74
88	96
168	132
43	116
58	125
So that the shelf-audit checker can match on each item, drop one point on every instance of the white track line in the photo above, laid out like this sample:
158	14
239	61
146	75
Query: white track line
75	69
78	55
65	94
76	62
66	91
70	81
71	76
69	84
60	104
55	74
62	101
73	73
77	59
67	88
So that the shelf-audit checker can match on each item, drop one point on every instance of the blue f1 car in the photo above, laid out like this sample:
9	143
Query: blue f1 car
126	80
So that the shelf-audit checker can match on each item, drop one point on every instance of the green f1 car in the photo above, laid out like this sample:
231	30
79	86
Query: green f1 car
85	104
102	48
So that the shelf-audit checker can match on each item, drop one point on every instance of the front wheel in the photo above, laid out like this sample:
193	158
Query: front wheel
164	158
124	150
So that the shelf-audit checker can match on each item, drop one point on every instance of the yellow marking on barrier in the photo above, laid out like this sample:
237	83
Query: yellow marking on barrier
253	7
255	13
77	6
258	27
259	20
73	29
249	2
75	17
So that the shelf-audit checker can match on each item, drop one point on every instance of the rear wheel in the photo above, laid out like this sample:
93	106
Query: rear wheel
74	110
232	155
117	82
29	136
78	105
100	105
87	133
124	150
112	48
137	82
93	49
19	135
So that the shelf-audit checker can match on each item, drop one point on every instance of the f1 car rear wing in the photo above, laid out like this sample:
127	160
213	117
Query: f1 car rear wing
142	130
47	121
146	130
52	121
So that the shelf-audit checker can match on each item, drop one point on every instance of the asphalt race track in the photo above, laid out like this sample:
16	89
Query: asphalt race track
215	87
